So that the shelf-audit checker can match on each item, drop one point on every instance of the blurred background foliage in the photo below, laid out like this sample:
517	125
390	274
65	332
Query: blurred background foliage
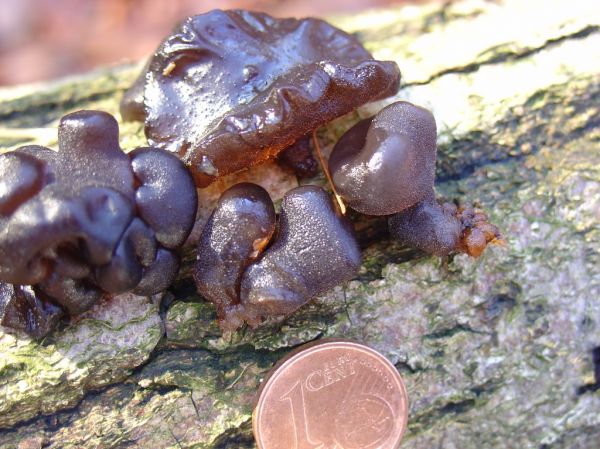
44	39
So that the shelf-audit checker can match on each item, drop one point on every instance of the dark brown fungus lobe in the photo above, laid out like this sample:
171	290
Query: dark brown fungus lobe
386	163
22	309
298	157
159	274
236	233
136	249
315	249
427	226
22	177
89	220
131	106
75	295
231	89
442	229
164	179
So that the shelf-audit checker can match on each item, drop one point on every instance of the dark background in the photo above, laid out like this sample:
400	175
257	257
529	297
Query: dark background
44	39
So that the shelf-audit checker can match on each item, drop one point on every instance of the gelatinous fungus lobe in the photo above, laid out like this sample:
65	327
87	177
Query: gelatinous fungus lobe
236	233
22	309
313	250
299	158
442	229
86	221
231	89
427	226
385	165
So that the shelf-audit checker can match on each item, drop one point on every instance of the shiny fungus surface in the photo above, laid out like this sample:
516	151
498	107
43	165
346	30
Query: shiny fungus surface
299	159
22	309
236	233
89	220
385	165
231	89
313	250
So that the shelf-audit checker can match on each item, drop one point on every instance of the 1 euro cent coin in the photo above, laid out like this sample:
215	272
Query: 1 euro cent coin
331	395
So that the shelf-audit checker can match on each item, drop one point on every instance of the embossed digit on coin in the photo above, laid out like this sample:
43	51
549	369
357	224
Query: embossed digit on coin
331	395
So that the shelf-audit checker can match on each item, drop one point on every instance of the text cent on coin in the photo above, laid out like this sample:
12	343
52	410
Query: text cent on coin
331	395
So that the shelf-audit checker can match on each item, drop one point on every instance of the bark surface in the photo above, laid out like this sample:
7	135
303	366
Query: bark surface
496	352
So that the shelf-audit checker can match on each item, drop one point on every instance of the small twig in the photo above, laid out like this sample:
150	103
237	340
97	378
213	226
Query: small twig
338	198
236	380
346	305
175	438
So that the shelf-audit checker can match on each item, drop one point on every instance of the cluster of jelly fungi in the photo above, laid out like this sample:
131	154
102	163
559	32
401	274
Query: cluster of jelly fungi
87	221
385	165
249	271
225	91
259	84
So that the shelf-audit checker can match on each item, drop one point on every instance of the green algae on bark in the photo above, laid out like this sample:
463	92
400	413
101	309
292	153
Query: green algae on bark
101	348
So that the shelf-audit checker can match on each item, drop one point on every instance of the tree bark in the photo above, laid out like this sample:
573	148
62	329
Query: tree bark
496	352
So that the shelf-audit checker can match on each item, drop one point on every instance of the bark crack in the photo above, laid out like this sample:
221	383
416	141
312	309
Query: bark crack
508	56
451	331
471	398
592	386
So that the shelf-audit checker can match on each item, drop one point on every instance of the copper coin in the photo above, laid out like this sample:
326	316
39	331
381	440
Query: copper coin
331	395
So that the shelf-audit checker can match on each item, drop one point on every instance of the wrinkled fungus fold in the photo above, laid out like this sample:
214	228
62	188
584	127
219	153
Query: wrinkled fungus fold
385	165
231	89
87	222
250	272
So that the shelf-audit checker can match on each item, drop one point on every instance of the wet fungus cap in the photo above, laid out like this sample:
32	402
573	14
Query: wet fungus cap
386	163
236	233
231	89
21	308
90	220
313	250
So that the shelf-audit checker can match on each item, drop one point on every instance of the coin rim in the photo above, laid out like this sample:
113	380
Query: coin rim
296	354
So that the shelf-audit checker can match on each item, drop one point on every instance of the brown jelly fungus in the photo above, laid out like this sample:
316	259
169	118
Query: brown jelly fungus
385	165
298	157
87	221
231	89
21	308
236	233
313	250
441	229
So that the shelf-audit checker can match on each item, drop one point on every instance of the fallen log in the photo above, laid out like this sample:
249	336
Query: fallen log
496	352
